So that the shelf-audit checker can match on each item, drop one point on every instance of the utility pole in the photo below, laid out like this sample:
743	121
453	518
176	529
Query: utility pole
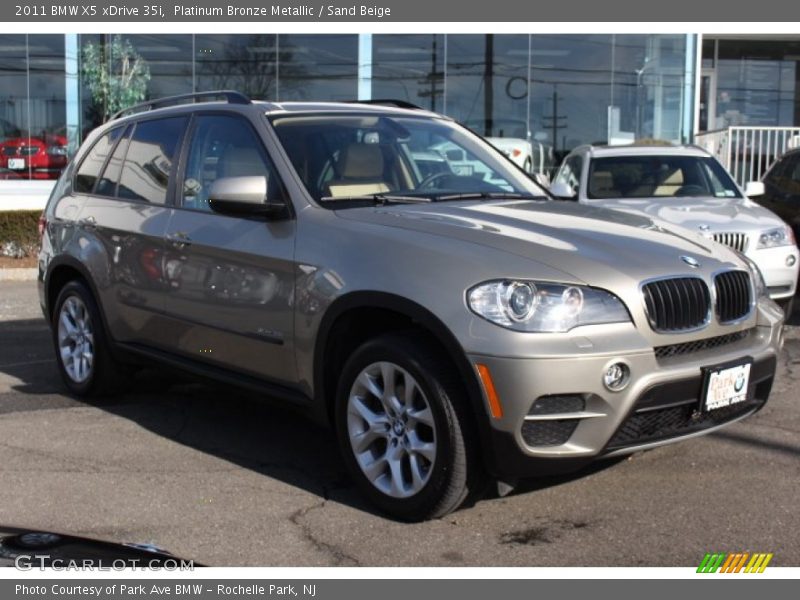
432	80
556	121
488	86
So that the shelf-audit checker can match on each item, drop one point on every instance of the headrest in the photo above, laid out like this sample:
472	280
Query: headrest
361	161
241	162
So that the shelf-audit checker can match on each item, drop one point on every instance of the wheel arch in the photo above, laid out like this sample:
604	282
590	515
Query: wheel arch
358	316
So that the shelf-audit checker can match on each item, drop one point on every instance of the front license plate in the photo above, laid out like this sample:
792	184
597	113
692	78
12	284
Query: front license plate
726	385
16	163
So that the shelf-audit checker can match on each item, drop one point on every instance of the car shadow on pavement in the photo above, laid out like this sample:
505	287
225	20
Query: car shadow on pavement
234	425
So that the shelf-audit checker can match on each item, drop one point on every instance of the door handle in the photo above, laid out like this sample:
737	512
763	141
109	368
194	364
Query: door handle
179	239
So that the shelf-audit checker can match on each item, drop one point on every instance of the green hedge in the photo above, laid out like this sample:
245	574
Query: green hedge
21	227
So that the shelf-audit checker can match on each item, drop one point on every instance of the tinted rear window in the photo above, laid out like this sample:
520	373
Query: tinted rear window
93	163
107	186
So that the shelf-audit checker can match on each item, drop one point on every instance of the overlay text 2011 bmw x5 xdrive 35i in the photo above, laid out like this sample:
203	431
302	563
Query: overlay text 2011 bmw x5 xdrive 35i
447	318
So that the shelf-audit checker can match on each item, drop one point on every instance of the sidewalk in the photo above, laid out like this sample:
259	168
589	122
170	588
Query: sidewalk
16	274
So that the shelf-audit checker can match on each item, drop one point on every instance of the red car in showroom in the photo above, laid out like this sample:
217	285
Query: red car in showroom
34	157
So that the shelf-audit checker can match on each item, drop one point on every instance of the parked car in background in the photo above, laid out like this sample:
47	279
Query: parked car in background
9	174
449	323
685	186
782	190
8	130
512	138
35	157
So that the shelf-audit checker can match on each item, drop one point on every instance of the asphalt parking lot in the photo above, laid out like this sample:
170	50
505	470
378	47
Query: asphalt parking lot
215	475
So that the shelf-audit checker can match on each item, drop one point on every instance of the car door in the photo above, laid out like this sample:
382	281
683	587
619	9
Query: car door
231	278
125	215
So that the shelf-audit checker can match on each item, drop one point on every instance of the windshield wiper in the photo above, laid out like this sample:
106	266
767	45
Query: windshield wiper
379	199
487	196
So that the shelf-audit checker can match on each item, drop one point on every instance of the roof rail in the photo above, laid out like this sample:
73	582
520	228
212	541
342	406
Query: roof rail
230	96
388	102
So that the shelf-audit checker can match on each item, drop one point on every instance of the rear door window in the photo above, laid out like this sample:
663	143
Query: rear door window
149	159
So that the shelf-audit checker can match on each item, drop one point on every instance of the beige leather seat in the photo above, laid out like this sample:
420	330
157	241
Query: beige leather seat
670	185
360	172
242	161
601	185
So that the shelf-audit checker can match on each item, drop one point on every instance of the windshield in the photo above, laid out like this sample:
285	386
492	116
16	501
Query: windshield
347	156
659	177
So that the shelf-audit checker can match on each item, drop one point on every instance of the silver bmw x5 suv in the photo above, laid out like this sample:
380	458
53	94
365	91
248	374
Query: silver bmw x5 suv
394	275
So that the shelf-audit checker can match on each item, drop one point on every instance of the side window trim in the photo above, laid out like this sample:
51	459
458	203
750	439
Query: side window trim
186	146
174	193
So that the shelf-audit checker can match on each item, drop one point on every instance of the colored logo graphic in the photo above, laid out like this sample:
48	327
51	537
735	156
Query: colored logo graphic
736	562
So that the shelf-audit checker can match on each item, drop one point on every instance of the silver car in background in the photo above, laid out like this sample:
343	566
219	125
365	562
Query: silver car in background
449	323
685	186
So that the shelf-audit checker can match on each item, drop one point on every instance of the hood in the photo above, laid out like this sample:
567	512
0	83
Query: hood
586	242
699	214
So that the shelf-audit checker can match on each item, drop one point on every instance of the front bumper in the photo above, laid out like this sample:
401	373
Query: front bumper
781	279
660	405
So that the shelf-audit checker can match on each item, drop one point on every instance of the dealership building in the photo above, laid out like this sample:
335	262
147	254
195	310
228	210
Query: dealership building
558	91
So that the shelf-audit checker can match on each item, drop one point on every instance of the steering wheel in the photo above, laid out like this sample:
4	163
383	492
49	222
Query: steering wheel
430	179
691	190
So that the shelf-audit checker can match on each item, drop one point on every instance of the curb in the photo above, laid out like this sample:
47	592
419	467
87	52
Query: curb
19	274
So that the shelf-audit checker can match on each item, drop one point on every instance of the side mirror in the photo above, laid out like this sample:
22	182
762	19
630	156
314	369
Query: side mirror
754	188
563	190
245	196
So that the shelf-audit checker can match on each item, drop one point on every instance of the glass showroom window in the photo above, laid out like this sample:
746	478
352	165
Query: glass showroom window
608	88
410	68
487	82
317	67
757	82
32	110
246	63
140	67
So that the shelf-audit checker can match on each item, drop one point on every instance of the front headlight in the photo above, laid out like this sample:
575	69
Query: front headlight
779	236
760	290
544	307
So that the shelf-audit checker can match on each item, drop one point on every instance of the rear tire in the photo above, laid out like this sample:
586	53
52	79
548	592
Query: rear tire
404	429
83	351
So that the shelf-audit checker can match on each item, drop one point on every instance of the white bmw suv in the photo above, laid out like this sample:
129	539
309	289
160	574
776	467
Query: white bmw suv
686	186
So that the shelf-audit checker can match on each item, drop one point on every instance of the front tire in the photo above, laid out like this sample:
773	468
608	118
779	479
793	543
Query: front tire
83	352
404	430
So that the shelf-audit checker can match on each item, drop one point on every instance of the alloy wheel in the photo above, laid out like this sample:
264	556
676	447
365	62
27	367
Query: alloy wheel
391	429
76	339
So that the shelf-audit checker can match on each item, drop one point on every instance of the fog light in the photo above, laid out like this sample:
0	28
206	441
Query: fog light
617	377
790	260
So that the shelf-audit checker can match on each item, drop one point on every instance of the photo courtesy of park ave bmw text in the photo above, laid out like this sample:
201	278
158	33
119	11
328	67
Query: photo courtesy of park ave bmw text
462	293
